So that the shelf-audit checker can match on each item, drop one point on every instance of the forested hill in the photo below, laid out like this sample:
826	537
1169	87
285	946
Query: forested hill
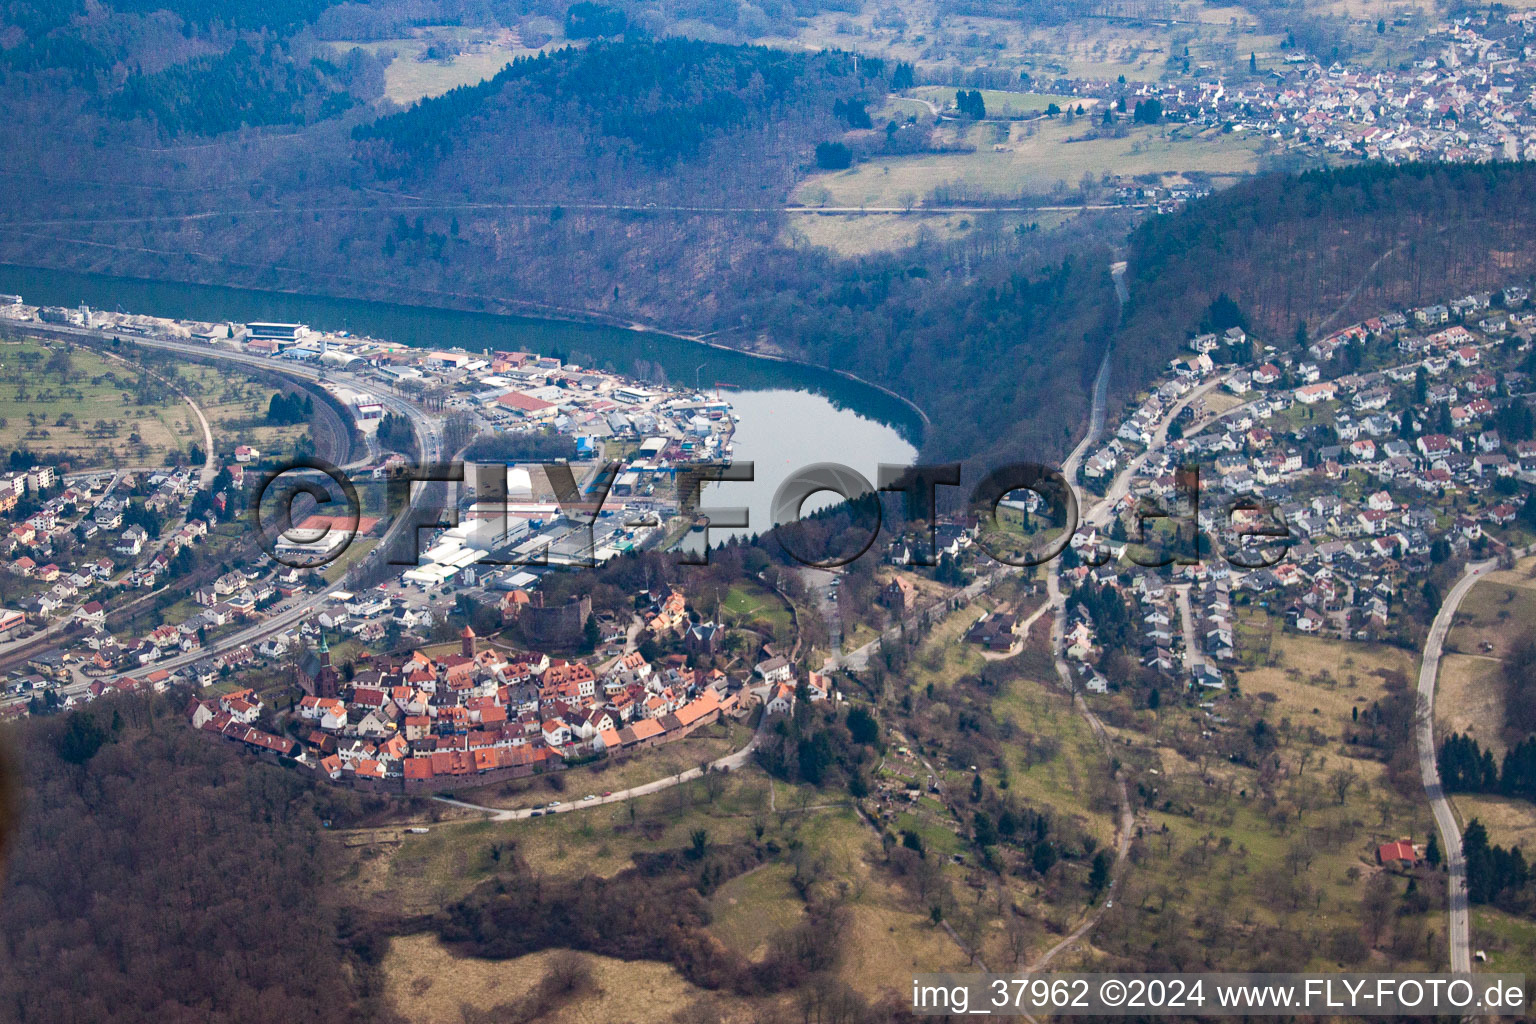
531	190
180	67
7	806
1001	359
660	101
1327	247
161	875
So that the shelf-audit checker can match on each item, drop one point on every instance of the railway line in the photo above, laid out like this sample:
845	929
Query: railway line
429	440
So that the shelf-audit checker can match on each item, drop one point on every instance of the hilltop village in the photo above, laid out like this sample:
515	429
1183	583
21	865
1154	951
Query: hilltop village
1335	476
431	722
1469	99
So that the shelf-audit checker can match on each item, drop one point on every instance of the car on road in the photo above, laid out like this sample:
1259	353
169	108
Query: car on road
589	796
553	804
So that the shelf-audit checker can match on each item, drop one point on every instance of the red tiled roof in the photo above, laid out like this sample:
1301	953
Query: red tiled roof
526	403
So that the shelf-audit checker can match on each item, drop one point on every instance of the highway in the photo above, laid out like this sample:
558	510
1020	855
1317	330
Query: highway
429	439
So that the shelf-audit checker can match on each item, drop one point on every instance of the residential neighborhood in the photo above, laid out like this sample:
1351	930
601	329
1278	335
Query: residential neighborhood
1330	479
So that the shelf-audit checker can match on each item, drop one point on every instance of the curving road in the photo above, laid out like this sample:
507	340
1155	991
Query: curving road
429	439
1424	732
205	477
730	762
1056	602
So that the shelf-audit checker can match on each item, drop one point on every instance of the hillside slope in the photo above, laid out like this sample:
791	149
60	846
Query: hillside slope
1327	247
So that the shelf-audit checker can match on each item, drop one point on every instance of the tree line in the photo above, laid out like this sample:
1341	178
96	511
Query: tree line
286	409
662	100
1494	874
819	747
1354	240
1466	767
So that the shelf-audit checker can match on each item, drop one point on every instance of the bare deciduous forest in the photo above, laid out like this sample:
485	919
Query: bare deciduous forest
1328	247
159	875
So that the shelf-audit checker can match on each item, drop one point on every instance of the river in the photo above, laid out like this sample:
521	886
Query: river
791	415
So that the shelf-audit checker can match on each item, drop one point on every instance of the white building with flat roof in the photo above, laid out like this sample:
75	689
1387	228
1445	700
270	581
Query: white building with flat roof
276	331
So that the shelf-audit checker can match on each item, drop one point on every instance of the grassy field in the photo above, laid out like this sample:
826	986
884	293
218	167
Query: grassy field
1000	103
747	603
1088	48
828	844
48	413
429	984
1320	682
1061	782
231	401
862	234
1220	401
751	909
1498	611
1038	158
103	388
410	76
1292	853
888	938
944	656
886	941
901	107
1509	822
1469	698
1470	693
421	872
1509	941
1221	855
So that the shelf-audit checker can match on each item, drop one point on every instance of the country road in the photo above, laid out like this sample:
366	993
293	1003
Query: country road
428	206
1101	513
733	761
1424	731
1056	602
